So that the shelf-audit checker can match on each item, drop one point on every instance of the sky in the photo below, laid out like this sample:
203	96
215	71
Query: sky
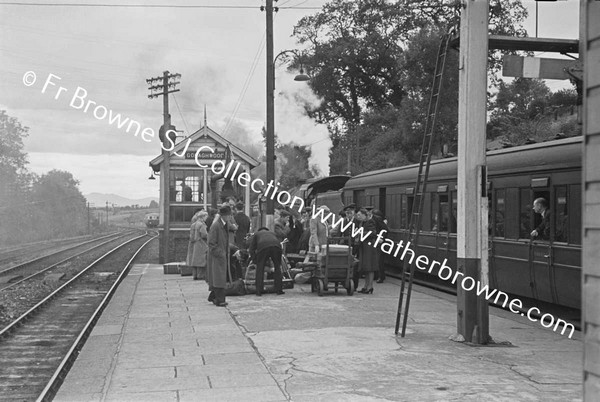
109	52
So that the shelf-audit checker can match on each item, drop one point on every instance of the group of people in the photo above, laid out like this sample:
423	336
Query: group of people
216	236
213	235
311	235
370	259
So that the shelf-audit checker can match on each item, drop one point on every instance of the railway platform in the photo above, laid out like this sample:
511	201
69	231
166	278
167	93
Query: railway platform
160	340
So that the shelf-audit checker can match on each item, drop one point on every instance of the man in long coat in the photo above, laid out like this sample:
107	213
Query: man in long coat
218	257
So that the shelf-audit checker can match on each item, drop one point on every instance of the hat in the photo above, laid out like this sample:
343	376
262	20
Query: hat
225	210
350	206
325	208
368	207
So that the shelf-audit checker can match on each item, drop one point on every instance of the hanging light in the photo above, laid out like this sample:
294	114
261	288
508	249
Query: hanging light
301	76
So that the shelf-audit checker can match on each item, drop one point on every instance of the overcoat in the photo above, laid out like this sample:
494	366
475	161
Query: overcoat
218	254
368	255
198	238
243	224
318	233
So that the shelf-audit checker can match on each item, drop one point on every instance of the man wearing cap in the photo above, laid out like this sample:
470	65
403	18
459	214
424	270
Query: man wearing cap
218	257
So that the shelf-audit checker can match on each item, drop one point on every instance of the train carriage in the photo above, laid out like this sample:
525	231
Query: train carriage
548	269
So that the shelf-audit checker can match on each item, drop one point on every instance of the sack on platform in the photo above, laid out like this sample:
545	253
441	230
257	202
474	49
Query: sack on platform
235	288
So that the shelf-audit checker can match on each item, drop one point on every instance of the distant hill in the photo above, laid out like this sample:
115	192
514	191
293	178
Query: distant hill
99	200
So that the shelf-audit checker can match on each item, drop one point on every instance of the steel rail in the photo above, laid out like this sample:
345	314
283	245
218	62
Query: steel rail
60	262
62	370
29	312
4	271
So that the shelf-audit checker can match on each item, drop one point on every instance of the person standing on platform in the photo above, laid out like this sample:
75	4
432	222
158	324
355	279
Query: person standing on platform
318	233
368	255
380	224
218	257
243	223
264	245
295	233
199	247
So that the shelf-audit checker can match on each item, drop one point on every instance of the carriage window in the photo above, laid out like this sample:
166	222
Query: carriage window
409	204
561	214
435	206
359	198
525	213
453	216
575	213
499	213
444	213
393	201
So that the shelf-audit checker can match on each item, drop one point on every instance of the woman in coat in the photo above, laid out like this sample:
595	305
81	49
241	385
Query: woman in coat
381	225
218	257
198	238
190	252
368	255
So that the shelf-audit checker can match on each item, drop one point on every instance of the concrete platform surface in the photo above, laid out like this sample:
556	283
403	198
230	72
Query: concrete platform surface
160	340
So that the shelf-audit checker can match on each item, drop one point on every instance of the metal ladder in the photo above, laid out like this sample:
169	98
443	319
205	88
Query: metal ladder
424	162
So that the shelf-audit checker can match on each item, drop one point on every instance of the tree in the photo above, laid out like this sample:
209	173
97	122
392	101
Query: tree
295	167
153	204
61	205
15	207
526	109
367	56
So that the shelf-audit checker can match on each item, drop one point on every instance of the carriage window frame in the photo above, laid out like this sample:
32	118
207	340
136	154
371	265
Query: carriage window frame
525	225
558	216
499	215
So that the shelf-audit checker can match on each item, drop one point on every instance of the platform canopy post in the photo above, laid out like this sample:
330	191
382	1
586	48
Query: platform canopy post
472	215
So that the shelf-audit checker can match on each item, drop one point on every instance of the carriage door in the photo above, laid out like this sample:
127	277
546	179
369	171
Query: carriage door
540	249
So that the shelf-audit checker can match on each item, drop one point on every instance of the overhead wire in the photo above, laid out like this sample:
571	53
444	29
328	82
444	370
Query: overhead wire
98	5
181	114
246	85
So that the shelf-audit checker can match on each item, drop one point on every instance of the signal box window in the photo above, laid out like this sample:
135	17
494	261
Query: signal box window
186	186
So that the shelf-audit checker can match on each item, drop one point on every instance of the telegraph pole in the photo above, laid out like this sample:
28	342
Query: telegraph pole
270	111
168	81
472	234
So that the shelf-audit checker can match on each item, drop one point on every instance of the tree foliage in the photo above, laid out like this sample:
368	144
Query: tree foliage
369	59
294	161
34	207
526	109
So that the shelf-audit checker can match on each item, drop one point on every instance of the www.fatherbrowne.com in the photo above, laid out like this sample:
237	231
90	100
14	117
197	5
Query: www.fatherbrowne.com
445	272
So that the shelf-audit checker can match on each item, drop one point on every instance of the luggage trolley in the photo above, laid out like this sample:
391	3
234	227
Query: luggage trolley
336	267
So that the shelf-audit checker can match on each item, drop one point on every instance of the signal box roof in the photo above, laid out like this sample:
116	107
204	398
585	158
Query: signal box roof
204	137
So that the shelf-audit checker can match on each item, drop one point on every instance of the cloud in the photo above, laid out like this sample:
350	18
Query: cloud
292	123
125	175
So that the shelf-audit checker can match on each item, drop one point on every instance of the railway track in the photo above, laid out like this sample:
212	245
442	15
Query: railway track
15	253
57	257
38	348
